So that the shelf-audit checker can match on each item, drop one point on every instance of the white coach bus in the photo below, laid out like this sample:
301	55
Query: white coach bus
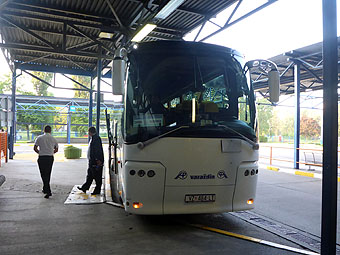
187	139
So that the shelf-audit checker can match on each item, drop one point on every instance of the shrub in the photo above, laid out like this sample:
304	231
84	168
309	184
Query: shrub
263	139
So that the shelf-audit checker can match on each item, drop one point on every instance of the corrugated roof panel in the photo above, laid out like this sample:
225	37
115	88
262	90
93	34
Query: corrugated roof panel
46	17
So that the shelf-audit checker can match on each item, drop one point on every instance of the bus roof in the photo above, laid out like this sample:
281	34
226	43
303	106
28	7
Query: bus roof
185	47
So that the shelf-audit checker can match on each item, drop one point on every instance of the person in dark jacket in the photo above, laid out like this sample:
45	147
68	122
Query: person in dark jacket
95	156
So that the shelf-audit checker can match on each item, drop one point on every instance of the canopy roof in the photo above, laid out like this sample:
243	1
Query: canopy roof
63	35
310	60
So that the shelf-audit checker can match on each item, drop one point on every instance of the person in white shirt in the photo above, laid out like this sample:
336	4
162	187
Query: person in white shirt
46	145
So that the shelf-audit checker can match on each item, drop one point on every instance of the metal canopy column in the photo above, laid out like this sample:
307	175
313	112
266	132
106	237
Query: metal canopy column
297	115
13	127
330	128
99	76
69	126
90	103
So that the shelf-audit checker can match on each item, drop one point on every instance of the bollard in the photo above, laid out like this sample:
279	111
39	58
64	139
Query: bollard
2	179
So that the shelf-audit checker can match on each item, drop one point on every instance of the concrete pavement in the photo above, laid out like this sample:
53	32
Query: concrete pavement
30	224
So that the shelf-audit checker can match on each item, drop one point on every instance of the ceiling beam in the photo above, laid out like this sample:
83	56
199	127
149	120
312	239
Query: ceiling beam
28	31
4	4
21	57
33	48
90	37
37	29
95	25
269	2
52	69
114	13
56	11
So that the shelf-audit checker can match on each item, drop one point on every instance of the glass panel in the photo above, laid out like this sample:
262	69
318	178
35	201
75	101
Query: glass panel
167	92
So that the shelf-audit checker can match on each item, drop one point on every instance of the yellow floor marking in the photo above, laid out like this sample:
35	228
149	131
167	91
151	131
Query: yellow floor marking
255	240
223	232
304	174
273	168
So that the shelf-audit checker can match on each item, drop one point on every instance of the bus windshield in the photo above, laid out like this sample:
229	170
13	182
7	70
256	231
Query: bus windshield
167	91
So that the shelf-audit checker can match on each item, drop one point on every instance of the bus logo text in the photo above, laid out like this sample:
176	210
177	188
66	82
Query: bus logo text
222	175
182	175
203	176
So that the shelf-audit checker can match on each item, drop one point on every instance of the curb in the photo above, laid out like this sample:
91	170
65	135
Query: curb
295	172
273	168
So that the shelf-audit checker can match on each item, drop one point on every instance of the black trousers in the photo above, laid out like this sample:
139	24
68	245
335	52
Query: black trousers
45	166
93	173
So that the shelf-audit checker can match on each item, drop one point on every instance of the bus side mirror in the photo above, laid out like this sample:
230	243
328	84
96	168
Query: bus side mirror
118	72
274	86
268	67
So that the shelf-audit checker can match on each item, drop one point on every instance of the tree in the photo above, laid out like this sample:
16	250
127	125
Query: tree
80	116
5	83
287	126
60	118
309	127
264	116
33	116
275	124
84	80
39	86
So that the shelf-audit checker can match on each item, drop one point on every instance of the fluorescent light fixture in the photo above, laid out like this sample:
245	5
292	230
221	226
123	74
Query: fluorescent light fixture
168	9
105	35
193	114
143	32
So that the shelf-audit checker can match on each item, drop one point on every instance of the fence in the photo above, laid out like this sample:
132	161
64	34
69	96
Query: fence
308	156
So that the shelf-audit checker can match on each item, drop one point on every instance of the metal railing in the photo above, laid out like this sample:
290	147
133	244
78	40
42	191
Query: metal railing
313	161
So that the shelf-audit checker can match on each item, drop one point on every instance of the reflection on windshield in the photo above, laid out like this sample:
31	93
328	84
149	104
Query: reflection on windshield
168	92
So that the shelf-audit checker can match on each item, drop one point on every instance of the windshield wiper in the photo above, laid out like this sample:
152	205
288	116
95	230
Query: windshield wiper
141	145
254	145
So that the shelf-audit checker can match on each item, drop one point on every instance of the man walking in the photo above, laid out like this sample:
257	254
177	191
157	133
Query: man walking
95	156
46	145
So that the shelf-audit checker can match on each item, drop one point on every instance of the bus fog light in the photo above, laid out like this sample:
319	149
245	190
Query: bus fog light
252	172
151	173
141	173
137	205
132	172
246	173
250	201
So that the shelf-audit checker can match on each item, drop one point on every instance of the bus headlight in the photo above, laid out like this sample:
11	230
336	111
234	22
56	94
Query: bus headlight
151	173
141	173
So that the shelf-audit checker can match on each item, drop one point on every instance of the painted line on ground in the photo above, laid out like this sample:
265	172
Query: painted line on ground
294	171
255	240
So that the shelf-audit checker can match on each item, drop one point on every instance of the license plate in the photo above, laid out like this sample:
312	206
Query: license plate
198	198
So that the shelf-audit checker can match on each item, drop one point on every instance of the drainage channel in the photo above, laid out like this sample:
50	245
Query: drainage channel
292	234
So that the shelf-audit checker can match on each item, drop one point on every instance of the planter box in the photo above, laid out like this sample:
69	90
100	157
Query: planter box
71	152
